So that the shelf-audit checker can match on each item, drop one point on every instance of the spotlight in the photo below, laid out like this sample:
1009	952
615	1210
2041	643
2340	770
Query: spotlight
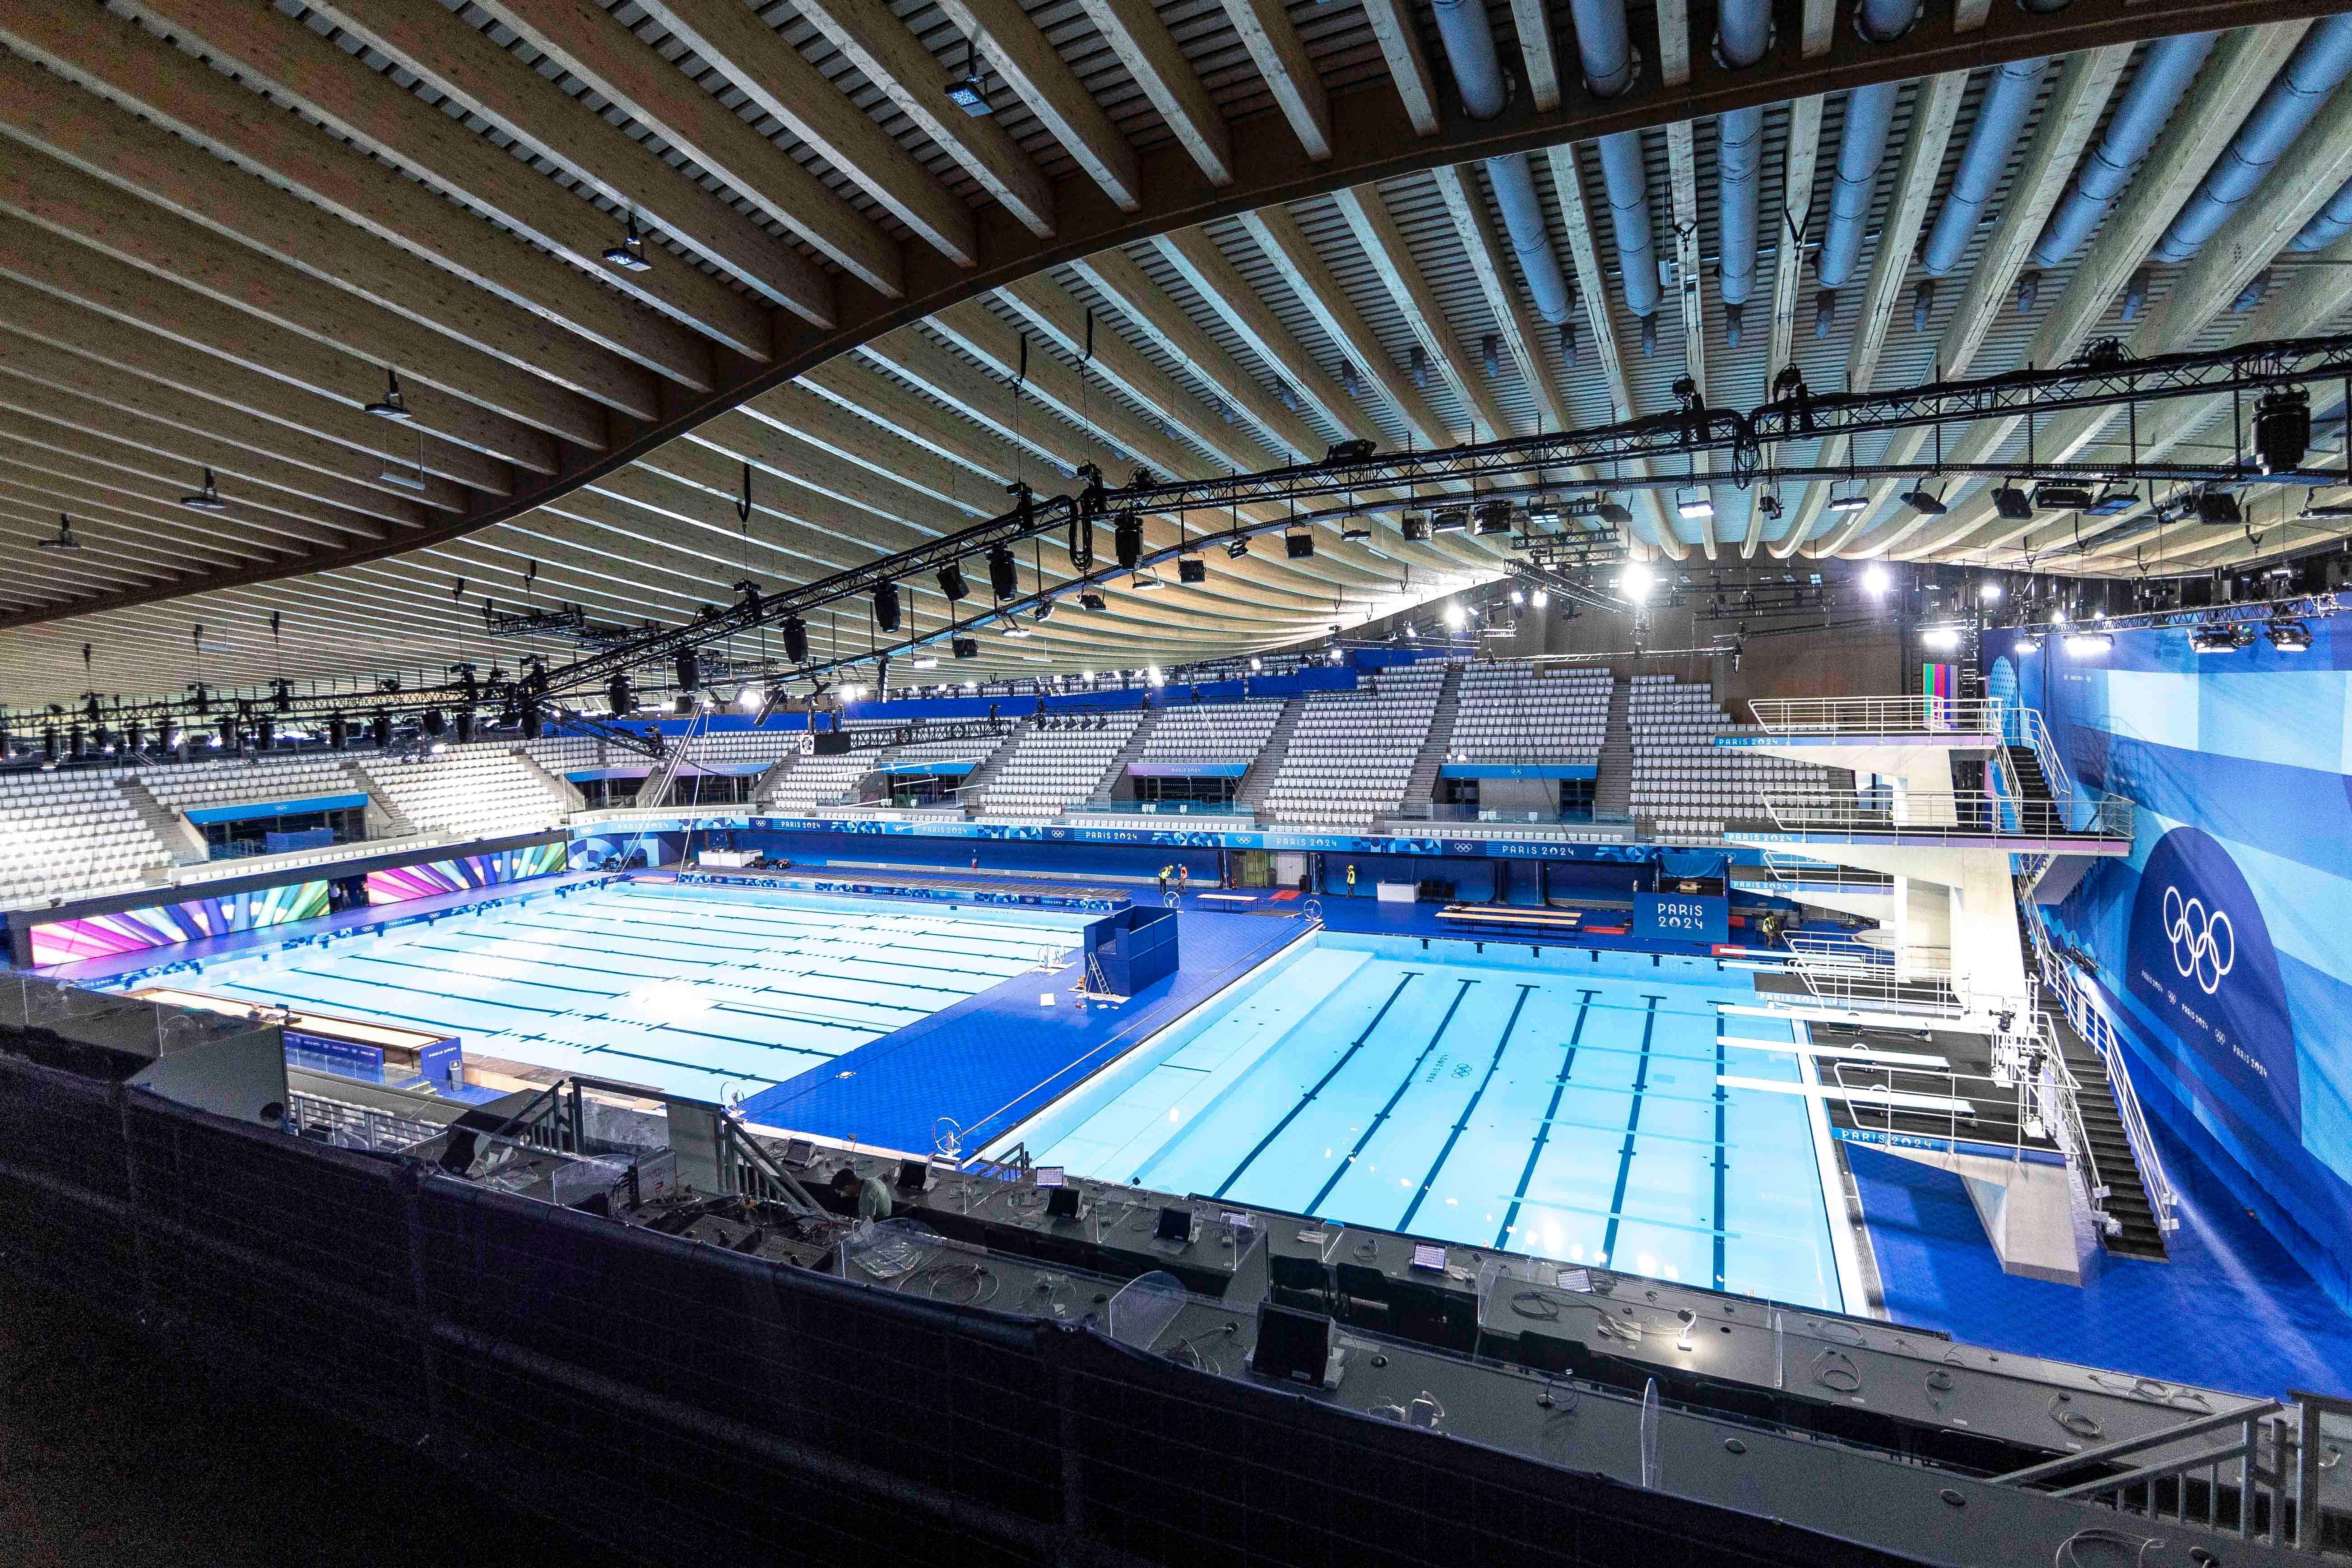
1617	514
2111	502
2289	637
2027	642
1355	530
1297	546
1091	600
1013	629
2283	429
629	256
1942	639
1692	504
464	728
1875	579
1457	616
2219	639
531	722
1154	676
1145	583
885	607
1921	501
2013	503
2219	507
1004	572
1988	592
1127	541
1415	527
207	499
2088	642
1043	613
969	91
1540	599
1636	581
796	648
964	647
951	584
751	697
1855	501
392	405
65	539
1492	517
1192	569
928	661
2059	496
1453	520
1353	451
1256	664
1237	548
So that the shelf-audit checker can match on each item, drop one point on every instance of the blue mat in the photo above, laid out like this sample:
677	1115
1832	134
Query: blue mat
993	1057
2232	1310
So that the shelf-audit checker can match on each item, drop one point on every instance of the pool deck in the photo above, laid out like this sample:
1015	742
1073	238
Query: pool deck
988	1061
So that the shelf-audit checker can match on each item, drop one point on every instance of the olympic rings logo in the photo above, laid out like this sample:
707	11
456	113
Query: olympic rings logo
2204	944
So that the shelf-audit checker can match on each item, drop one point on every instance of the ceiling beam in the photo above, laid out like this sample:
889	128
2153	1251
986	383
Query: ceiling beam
1384	245
462	64
738	43
1152	57
589	43
1297	82
1399	41
73	455
1041	78
1522	333
1791	220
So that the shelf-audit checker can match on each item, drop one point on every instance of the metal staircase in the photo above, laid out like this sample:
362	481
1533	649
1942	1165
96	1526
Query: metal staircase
1612	783
383	811
567	797
975	783
179	837
764	790
1250	794
1421	787
1107	787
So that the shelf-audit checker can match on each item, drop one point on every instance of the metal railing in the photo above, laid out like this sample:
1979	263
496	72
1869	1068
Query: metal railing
2011	723
1790	869
2262	1482
2082	1014
1845	974
1945	816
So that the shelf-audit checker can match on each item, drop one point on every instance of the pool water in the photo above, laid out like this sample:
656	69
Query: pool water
1564	1107
696	991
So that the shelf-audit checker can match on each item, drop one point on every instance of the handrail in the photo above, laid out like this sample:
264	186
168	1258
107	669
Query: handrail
2010	721
2082	1013
1946	814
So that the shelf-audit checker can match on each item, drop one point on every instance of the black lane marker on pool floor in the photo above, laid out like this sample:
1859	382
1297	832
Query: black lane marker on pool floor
1309	1098
1632	1126
1455	1137
1721	1162
1405	1083
1543	1130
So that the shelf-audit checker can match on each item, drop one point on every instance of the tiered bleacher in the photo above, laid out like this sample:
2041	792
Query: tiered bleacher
1351	753
559	754
196	785
1055	763
70	833
813	783
479	790
1514	712
1210	732
1683	785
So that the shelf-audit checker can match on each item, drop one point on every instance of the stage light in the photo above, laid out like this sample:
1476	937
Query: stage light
1043	612
1540	599
1298	546
1192	569
1091	600
2283	429
2013	503
2219	639
1617	514
1154	676
1875	579
464	728
380	730
1943	639
1235	549
1989	593
1145	583
1256	664
1004	572
65	539
629	256
207	499
964	647
392	404
2088	642
1457	616
1355	530
951	584
1693	504
435	721
2219	507
2027	642
1919	498
1517	597
2056	495
1636	581
1013	629
885	607
750	697
1492	517
1415	527
531	722
1127	541
1453	520
796	648
1855	501
929	661
2289	637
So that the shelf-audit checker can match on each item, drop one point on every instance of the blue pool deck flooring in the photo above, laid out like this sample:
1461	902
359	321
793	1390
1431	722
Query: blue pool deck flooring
2231	1309
989	1060
709	992
1569	1109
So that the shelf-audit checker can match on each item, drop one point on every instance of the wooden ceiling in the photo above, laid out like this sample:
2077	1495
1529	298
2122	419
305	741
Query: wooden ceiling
1191	237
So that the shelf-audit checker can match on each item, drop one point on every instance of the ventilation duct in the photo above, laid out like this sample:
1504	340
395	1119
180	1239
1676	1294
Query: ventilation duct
2311	75
1862	144
1606	54
2000	117
1744	31
1469	40
2164	73
2328	224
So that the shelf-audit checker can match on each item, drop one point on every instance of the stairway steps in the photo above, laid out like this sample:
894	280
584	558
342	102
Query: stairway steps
1612	783
1421	786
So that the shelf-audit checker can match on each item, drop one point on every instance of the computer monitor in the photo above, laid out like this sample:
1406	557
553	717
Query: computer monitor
913	1175
799	1152
1291	1346
1049	1175
1429	1255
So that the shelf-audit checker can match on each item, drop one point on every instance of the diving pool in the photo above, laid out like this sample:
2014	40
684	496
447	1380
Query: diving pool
696	991
1572	1105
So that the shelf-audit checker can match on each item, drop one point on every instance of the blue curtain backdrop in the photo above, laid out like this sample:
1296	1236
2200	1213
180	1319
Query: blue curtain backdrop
2224	943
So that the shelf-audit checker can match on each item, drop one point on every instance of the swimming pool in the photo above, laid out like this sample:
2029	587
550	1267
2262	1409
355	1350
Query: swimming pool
1569	1105
696	991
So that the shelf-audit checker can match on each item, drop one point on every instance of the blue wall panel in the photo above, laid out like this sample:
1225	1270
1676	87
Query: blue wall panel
2224	943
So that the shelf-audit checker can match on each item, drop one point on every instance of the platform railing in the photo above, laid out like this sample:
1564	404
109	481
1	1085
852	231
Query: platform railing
2087	1021
1910	714
1943	816
1790	869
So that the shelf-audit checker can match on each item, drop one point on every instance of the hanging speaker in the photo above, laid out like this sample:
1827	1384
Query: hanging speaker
795	639
885	607
530	721
1003	574
1127	538
380	731
618	693
465	727
951	584
1192	569
339	733
690	671
436	723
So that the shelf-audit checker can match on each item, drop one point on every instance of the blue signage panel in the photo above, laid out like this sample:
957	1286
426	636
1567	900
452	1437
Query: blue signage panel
1685	917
